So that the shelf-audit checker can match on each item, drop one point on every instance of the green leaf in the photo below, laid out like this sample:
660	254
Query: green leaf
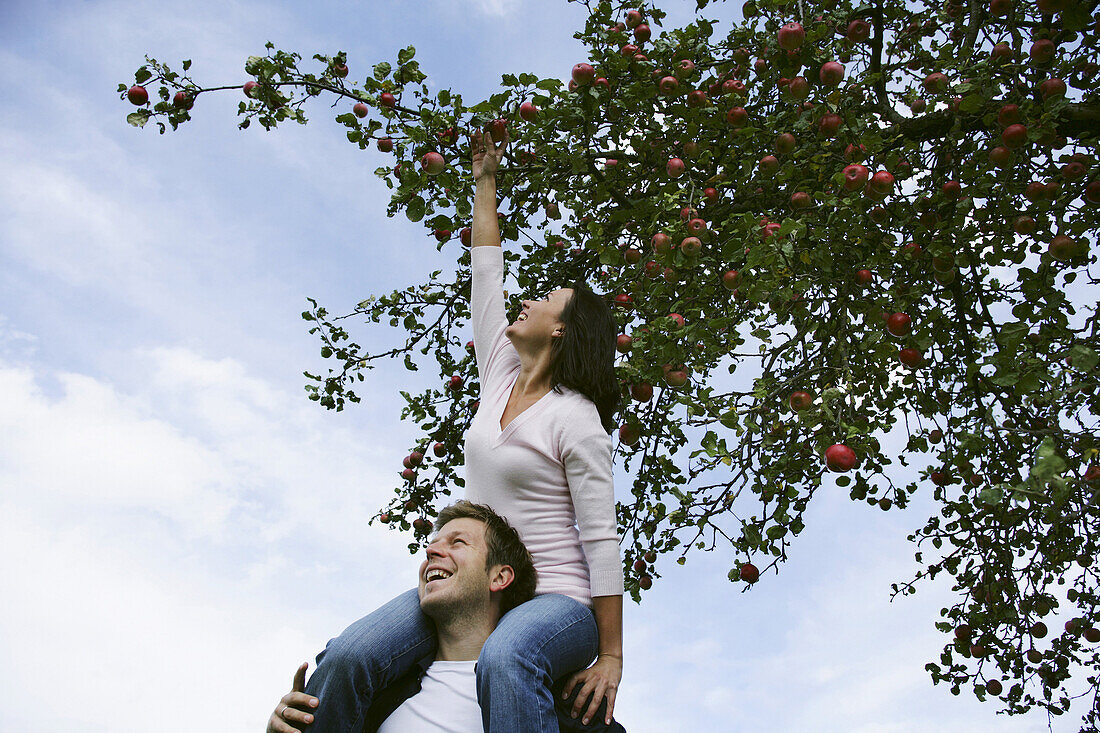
415	209
971	103
139	118
405	55
143	75
382	70
186	64
1048	463
444	96
1083	358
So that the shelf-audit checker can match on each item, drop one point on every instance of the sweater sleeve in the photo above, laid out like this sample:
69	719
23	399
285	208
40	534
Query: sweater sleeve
586	453
487	311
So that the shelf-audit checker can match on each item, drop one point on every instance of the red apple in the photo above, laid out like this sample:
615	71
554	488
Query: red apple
662	243
785	143
910	357
899	324
799	88
442	234
387	100
951	190
800	400
360	109
433	163
1042	51
629	434
138	95
675	168
633	18
685	68
697	98
455	383
859	30
340	70
583	74
697	226
769	164
791	36
408	474
882	183
641	391
737	116
864	277
1001	52
676	377
249	88
731	279
840	458
1063	248
1014	136
832	73
183	100
677	321
528	111
801	200
1074	170
1052	88
1000	156
829	124
711	195
994	687
1092	192
623	343
748	572
691	246
624	301
642	33
935	83
855	176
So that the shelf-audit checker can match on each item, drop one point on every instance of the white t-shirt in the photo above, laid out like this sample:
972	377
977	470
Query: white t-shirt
446	703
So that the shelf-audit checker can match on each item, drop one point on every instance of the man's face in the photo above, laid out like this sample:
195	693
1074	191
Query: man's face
453	575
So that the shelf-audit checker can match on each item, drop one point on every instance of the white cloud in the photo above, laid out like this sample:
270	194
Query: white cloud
192	537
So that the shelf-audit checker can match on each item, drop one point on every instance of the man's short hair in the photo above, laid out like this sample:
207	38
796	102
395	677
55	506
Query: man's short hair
505	548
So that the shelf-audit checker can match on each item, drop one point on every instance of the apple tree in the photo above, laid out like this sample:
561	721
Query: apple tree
851	247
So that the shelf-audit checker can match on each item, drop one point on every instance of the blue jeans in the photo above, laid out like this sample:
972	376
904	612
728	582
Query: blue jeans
367	657
534	645
540	641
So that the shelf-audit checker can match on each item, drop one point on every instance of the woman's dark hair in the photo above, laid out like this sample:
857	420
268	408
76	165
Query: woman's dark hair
583	357
504	548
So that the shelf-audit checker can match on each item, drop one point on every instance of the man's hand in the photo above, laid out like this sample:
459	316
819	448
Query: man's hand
292	712
485	154
598	681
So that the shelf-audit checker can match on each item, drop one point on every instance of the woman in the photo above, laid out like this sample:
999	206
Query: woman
538	452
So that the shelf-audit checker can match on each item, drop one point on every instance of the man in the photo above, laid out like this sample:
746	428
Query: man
475	569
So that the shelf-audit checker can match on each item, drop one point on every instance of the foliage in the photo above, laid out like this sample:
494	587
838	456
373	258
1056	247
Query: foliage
983	241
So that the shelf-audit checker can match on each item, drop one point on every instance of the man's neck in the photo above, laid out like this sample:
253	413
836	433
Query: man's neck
461	638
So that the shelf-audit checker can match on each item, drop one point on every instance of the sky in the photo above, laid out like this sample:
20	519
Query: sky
181	527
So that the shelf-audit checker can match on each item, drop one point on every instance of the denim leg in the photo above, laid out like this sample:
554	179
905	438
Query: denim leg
369	655
534	644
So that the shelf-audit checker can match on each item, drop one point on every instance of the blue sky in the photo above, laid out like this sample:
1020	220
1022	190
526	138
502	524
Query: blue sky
181	527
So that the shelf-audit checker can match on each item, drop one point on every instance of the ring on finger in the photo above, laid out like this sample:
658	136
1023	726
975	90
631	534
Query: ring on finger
281	712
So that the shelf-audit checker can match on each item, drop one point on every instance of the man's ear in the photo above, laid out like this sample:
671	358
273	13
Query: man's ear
500	577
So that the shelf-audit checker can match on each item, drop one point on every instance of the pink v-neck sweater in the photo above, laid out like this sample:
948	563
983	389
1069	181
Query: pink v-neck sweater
549	471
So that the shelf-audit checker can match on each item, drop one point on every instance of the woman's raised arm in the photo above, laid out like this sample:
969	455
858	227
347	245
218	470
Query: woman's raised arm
486	157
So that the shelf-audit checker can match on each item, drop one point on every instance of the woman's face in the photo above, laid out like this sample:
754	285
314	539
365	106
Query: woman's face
539	321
